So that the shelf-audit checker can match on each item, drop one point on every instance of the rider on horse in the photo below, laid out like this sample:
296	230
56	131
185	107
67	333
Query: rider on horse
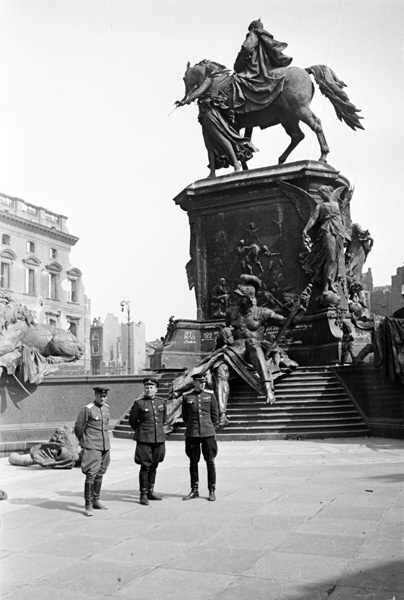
262	91
260	53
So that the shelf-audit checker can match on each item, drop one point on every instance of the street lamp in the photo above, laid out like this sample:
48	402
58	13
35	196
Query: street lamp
127	304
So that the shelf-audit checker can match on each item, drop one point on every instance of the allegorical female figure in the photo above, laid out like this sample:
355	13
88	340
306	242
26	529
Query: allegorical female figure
326	258
225	146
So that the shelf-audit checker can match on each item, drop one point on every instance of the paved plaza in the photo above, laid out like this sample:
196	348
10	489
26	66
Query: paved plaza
293	520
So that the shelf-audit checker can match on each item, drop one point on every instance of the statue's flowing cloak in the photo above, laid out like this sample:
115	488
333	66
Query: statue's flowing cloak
215	117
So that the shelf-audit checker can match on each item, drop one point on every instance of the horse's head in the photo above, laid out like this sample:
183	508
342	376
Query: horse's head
194	76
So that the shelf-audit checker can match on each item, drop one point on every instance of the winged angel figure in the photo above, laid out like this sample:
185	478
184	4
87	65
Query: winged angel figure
325	234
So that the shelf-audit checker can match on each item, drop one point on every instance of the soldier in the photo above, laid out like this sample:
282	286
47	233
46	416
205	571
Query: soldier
91	429
147	418
201	415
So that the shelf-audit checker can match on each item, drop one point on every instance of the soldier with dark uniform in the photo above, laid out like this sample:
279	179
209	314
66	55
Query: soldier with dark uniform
91	429
147	418
201	416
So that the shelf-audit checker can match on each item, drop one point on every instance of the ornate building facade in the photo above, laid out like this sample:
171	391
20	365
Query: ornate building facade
35	268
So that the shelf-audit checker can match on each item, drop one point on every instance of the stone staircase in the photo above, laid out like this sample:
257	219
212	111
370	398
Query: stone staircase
310	403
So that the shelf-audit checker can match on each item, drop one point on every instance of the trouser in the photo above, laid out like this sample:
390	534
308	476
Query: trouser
148	456
147	478
193	447
94	464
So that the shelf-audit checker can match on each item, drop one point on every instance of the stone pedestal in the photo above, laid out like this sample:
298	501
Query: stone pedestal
247	223
190	342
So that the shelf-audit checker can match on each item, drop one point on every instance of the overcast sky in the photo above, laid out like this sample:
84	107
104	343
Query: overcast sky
86	89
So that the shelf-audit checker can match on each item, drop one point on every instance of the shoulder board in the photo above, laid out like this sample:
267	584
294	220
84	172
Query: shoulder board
107	405
90	405
208	391
188	392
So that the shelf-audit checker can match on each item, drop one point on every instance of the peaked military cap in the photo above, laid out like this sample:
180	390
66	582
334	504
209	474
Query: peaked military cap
101	389
199	377
150	381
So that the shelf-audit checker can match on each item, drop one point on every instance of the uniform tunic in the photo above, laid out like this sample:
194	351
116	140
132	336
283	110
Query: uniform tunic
201	415
147	418
91	429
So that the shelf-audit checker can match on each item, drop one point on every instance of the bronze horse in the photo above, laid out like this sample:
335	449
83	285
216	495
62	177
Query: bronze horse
287	106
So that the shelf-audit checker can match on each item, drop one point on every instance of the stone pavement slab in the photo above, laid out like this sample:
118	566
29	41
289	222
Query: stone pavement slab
293	520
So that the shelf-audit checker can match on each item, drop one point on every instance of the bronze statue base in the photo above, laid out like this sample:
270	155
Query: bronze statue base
189	342
249	222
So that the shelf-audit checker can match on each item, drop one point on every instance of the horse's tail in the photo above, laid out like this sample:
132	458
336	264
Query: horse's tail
332	88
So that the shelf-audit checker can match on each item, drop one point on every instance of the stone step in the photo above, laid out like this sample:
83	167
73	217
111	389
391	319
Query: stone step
277	422
281	435
310	402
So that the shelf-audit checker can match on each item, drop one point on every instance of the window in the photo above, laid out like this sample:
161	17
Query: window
95	344
30	287
30	247
5	239
73	328
53	286
73	290
52	321
52	253
5	276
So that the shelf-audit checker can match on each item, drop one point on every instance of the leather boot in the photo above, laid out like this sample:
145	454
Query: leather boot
151	494
193	471
96	495
88	498
192	494
143	486
211	468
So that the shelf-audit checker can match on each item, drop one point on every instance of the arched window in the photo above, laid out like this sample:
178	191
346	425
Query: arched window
74	276
54	269
31	266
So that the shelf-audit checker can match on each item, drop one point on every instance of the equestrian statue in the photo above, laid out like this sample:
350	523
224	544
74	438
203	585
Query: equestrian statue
261	91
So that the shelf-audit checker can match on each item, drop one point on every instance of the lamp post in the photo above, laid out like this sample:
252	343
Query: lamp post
127	304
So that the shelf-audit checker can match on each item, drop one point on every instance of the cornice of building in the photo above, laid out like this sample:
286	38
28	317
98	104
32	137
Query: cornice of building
37	227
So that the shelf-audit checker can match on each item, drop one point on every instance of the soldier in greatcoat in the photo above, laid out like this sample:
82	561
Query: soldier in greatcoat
91	429
201	416
147	418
